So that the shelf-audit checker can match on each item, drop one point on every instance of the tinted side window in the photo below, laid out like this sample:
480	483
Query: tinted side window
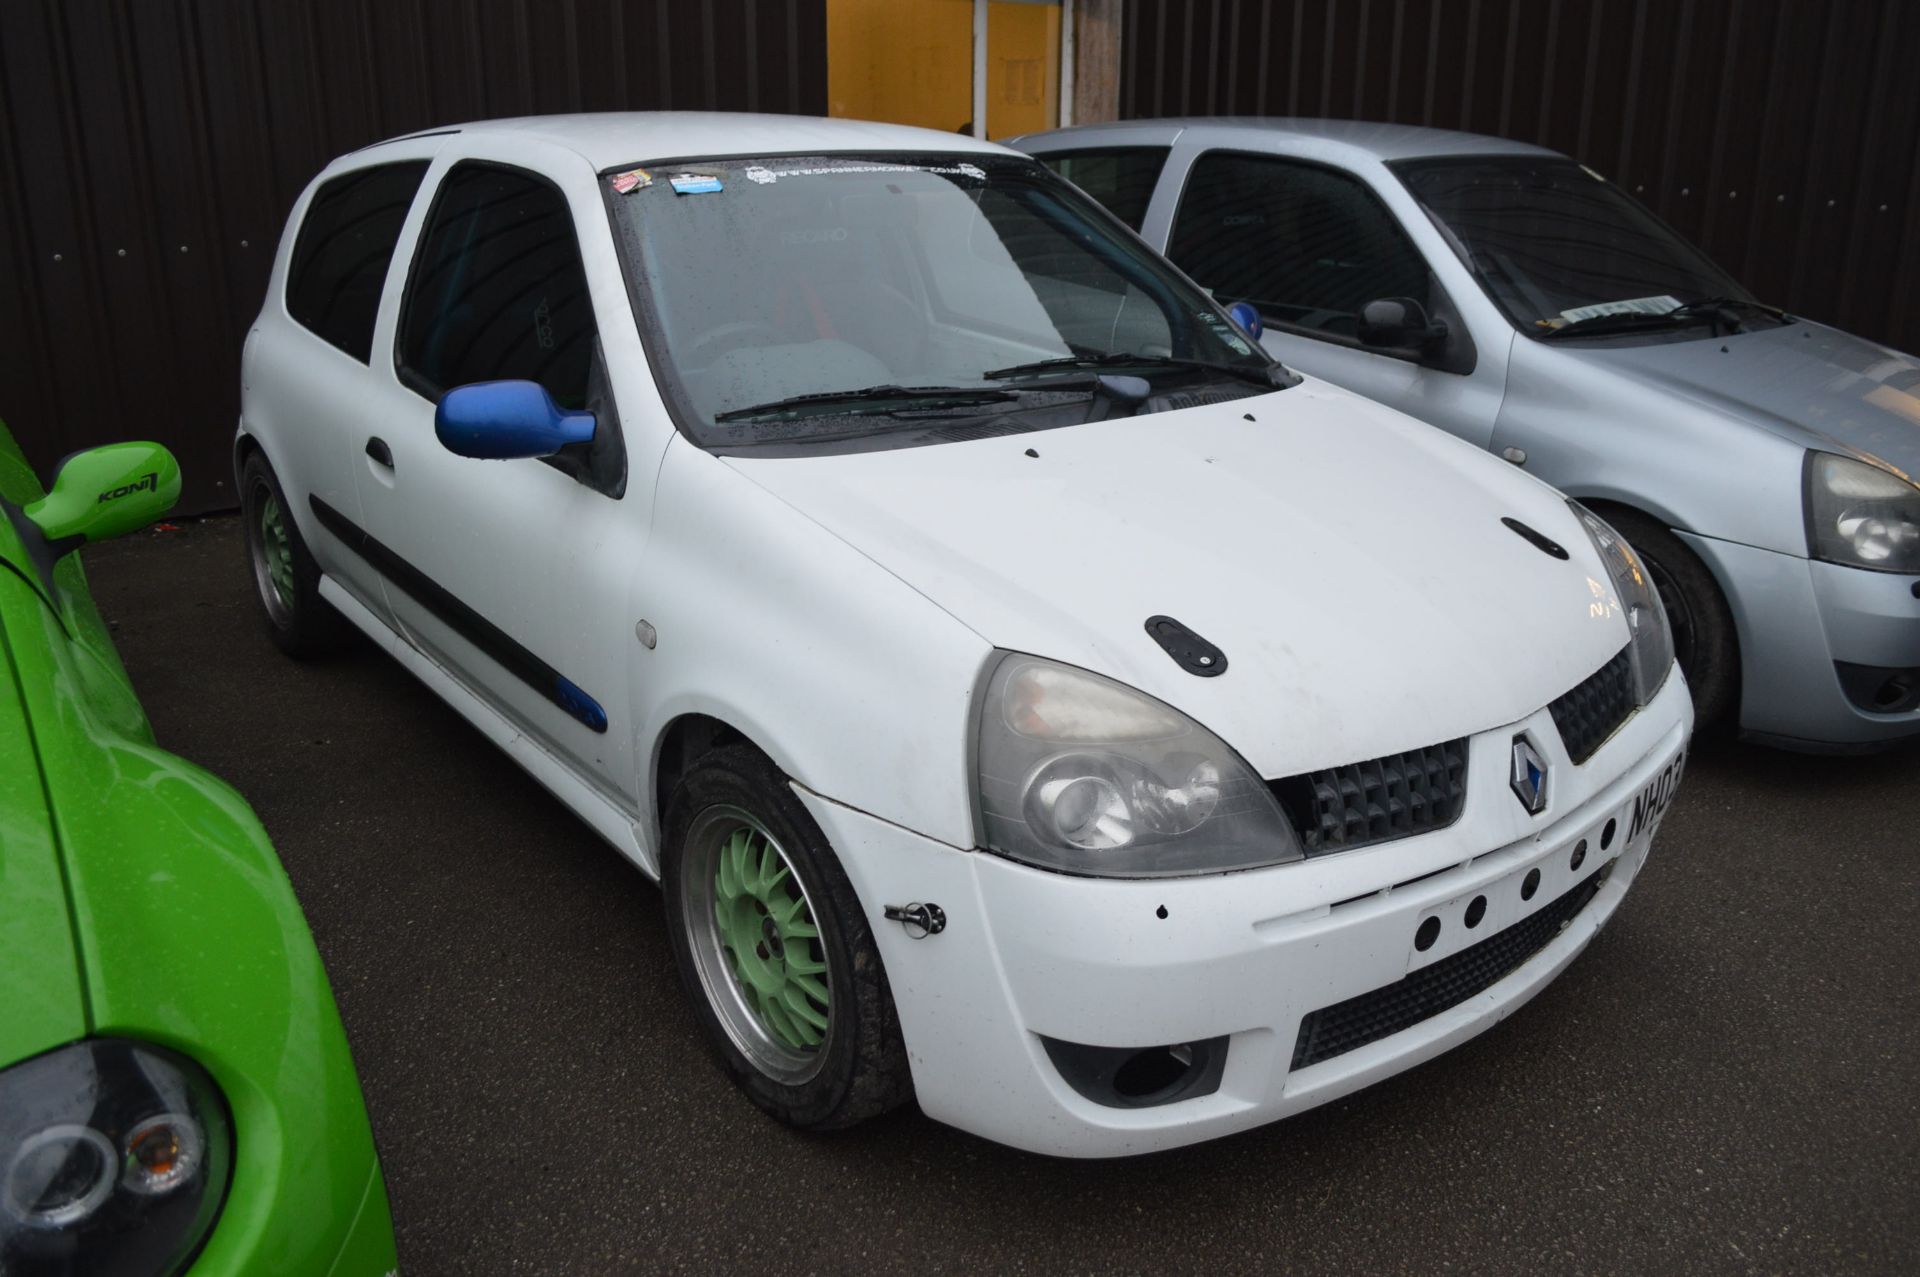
1120	179
340	257
1305	244
497	290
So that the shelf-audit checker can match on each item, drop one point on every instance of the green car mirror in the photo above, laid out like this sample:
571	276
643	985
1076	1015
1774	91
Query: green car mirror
106	492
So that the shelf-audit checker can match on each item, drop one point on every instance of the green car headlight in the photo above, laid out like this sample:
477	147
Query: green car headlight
114	1159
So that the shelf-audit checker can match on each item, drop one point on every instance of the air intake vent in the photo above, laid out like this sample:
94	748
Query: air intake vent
1346	1026
1593	711
1376	801
1198	398
961	431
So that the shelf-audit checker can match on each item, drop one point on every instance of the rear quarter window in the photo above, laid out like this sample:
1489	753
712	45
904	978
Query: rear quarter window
341	255
1121	179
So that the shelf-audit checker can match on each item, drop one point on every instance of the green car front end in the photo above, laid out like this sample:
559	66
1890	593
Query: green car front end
176	1093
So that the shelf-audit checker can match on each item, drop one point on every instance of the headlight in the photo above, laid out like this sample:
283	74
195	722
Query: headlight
1082	774
1860	515
1634	595
113	1160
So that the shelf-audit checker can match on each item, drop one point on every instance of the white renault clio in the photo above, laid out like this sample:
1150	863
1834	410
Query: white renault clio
1032	698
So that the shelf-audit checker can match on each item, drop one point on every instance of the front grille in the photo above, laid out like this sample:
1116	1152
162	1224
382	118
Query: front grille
1341	808
1349	1025
1593	711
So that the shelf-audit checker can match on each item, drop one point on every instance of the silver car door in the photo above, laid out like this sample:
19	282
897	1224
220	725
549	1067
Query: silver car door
1310	243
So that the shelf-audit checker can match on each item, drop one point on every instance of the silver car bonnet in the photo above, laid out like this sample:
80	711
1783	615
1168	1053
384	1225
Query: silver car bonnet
1812	385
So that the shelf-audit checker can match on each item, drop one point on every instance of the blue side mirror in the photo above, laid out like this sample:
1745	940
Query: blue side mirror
1245	315
495	420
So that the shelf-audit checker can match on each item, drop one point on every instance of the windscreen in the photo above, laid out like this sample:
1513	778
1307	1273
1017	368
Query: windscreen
1552	243
835	294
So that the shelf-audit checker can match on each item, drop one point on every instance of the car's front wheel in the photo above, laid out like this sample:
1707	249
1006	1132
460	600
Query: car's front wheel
774	948
1704	641
285	576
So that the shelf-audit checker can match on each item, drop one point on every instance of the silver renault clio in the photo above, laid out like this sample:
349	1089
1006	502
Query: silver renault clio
1763	464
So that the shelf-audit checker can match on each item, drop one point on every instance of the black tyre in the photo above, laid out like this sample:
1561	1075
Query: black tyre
285	577
1704	640
774	948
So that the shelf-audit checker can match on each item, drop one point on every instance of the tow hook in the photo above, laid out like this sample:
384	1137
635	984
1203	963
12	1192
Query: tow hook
920	921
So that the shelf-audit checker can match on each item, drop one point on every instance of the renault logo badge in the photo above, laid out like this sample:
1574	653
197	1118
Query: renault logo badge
1529	776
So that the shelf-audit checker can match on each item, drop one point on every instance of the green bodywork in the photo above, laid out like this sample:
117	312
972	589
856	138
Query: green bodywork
106	492
140	898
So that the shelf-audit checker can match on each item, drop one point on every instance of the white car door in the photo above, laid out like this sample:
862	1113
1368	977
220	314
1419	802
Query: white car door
1309	243
305	381
515	576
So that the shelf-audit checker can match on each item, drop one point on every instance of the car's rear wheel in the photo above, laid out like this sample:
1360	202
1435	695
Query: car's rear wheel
1704	640
285	577
774	949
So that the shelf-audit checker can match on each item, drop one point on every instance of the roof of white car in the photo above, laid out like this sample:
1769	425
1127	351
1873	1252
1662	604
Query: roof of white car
1381	141
609	138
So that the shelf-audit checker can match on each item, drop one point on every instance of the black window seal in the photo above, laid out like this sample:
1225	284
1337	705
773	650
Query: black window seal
1461	357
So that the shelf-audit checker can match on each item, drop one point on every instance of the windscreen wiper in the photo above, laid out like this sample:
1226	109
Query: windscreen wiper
1716	305
1625	322
1271	376
881	399
1707	310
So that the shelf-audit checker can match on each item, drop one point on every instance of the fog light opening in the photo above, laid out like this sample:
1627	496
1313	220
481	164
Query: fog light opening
1894	693
1606	835
1140	1076
1156	1069
1530	884
1880	689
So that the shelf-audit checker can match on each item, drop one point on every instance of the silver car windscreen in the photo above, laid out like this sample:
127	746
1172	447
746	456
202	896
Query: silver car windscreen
1552	242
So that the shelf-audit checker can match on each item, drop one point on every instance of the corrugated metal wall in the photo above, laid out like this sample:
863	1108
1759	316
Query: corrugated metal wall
151	149
1783	136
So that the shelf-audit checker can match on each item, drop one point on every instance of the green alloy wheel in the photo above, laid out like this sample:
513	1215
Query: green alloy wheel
756	944
276	555
774	948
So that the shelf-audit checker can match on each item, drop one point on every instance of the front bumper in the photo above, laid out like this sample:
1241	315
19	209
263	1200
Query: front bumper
1029	955
1795	618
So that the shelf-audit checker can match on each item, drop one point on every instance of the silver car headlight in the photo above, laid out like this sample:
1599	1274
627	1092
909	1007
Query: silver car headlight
1634	595
1082	774
1860	515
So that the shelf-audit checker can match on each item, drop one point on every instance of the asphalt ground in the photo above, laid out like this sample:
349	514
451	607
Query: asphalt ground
1725	1082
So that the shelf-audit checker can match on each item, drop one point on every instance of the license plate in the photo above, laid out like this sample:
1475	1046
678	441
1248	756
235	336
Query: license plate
1651	804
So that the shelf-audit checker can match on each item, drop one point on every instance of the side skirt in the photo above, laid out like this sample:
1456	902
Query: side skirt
603	816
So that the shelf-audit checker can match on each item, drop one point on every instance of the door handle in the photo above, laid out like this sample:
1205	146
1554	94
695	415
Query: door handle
378	450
